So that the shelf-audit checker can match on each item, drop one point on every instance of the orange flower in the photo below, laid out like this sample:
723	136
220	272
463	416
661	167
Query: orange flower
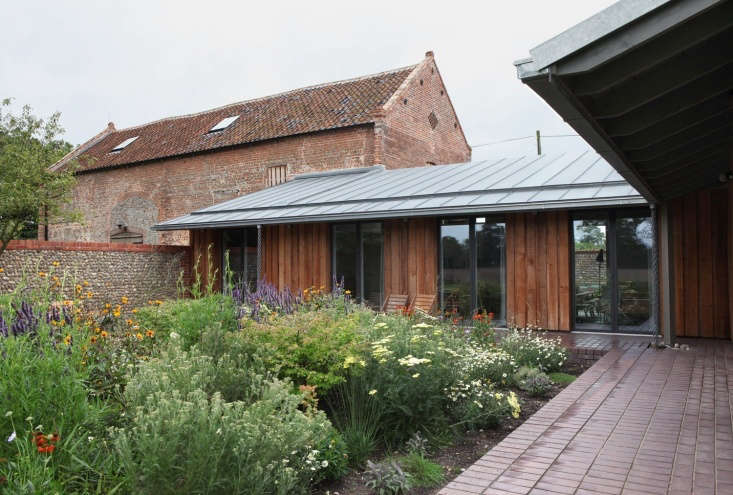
124	299
41	274
104	334
150	333
139	336
93	339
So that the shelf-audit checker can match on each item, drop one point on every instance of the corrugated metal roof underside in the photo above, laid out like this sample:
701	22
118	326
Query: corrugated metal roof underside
499	185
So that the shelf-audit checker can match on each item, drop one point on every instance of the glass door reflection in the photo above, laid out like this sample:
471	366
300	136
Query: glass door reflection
633	247
592	294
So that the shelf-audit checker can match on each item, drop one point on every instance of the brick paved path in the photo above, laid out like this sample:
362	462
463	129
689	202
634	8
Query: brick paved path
639	421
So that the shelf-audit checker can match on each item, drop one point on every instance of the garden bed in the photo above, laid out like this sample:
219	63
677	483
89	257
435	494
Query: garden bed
265	392
464	451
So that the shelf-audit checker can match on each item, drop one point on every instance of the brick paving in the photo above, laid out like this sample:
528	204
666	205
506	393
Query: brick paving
641	420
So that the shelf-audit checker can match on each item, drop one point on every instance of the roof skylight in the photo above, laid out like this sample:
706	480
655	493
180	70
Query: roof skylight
224	123
124	144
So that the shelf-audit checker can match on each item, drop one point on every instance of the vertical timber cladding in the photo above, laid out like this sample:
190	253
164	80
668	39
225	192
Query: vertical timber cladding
297	256
700	260
411	256
206	254
538	270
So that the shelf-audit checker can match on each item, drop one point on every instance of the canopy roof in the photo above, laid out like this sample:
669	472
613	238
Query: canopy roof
499	185
648	84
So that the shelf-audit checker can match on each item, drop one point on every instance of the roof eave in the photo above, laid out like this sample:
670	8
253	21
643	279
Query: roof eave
552	90
427	212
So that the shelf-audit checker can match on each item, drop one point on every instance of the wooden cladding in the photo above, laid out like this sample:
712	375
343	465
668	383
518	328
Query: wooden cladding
297	256
538	270
206	251
411	256
700	264
277	175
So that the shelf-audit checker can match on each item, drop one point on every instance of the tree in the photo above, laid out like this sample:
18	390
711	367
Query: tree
30	193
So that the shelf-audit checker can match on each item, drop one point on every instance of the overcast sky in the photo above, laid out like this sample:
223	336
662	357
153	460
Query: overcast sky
135	61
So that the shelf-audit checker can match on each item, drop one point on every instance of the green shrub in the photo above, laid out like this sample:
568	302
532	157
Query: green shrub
533	381
387	478
357	415
529	348
475	404
44	391
189	318
494	365
422	471
183	439
311	348
410	366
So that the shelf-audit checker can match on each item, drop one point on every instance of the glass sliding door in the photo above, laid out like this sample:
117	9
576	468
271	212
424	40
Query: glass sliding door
491	268
240	246
611	255
358	260
592	294
456	281
372	248
473	268
634	245
345	255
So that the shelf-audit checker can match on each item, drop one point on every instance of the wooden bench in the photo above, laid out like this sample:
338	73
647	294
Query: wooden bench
395	303
424	302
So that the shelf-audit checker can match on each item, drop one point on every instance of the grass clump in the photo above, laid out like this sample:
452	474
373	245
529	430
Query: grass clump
562	379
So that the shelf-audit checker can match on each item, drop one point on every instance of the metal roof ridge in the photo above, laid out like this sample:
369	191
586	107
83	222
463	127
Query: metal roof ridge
340	171
420	196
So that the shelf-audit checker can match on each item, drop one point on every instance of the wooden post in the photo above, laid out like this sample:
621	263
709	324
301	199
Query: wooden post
666	267
730	244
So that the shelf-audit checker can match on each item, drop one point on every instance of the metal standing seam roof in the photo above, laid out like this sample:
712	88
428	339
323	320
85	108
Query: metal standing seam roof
494	185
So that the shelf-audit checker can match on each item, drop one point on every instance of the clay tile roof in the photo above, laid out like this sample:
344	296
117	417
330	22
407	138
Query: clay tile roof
316	108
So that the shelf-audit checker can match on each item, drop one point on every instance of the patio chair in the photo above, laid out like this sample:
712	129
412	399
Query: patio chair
395	302
424	302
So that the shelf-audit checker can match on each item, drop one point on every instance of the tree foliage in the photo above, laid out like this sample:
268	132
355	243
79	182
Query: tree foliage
30	193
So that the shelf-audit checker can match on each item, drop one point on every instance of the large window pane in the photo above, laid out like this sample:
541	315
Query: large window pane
345	243
592	294
241	247
491	268
456	269
233	242
633	245
250	248
373	264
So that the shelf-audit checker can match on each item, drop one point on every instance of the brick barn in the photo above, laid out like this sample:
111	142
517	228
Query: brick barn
130	179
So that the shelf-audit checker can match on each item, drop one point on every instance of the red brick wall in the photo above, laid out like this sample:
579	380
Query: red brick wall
166	189
407	138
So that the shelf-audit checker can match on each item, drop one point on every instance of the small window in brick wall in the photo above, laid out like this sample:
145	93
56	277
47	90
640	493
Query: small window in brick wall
277	175
433	120
123	235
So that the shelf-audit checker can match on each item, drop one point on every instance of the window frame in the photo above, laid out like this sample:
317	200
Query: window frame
473	261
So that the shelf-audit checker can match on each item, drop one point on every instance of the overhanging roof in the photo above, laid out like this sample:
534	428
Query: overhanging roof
500	185
648	84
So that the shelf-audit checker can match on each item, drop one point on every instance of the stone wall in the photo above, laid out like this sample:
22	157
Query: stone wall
139	271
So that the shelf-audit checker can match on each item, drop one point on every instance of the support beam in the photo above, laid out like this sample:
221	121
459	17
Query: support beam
683	138
671	77
716	84
659	49
666	275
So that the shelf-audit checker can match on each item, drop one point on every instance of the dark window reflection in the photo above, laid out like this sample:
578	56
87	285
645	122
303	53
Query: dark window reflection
456	281
491	268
